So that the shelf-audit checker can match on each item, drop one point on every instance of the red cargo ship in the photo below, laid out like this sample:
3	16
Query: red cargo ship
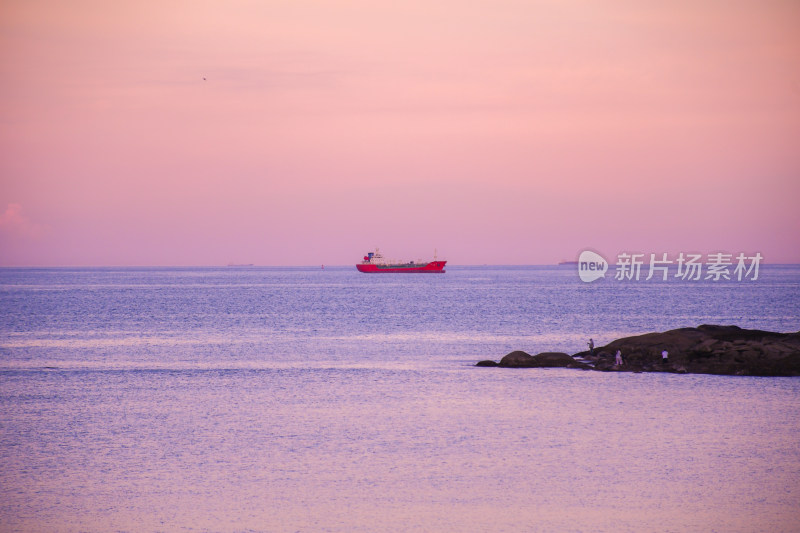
374	262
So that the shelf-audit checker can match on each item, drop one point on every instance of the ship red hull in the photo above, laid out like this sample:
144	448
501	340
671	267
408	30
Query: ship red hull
433	267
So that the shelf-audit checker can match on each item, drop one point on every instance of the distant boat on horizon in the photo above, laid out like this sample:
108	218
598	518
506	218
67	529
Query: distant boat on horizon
568	263
240	264
374	262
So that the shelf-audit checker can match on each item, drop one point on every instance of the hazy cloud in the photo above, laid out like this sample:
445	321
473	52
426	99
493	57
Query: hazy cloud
14	222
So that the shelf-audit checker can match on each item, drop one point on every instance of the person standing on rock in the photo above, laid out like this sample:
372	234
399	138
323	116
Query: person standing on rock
665	357
591	346
619	358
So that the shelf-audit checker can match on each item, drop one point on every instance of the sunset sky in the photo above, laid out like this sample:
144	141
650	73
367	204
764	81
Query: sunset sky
307	132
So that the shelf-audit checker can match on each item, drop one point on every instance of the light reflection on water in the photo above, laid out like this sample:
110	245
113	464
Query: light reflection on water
366	449
294	399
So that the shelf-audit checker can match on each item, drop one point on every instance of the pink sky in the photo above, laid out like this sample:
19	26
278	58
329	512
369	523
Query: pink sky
501	132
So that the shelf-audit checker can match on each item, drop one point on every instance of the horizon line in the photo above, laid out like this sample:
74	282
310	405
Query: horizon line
322	266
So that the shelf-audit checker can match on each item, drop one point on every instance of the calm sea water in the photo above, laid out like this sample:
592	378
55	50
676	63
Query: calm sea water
264	399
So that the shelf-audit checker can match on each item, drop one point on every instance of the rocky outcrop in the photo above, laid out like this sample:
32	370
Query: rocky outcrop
705	349
520	359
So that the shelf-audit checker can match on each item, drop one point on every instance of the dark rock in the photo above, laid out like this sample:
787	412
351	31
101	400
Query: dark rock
520	359
517	359
708	349
556	360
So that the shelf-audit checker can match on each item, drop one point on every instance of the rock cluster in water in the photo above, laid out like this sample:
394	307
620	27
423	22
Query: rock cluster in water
520	359
705	349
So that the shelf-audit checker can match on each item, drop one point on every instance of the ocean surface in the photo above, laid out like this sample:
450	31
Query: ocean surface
303	399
